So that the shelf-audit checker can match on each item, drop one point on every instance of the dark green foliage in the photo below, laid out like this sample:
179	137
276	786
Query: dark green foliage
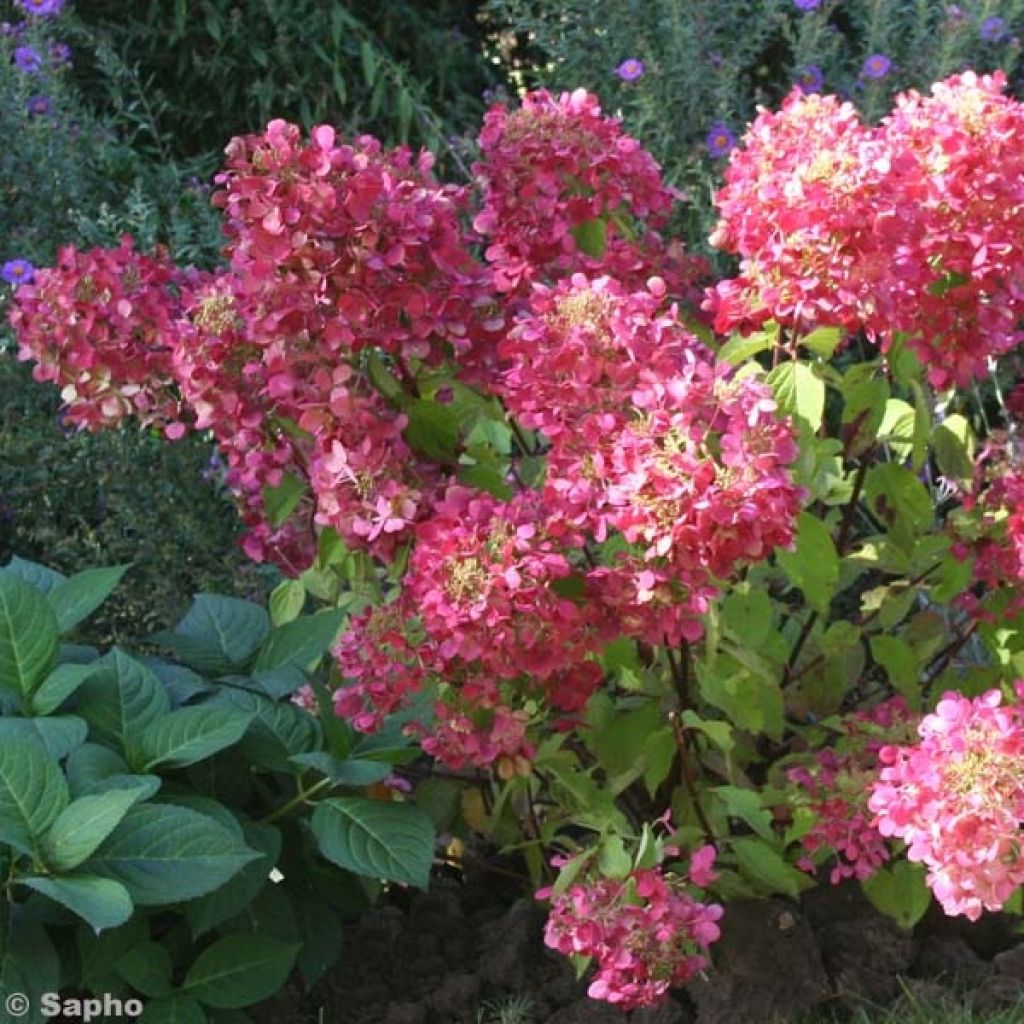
195	72
120	496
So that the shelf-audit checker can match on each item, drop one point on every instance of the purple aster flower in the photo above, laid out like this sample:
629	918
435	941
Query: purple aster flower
720	140
27	59
807	5
60	53
17	272
810	79
41	8
38	106
876	66
630	70
993	29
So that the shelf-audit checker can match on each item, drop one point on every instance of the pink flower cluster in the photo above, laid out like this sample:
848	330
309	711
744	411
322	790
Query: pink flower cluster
99	325
646	932
837	785
904	230
555	165
956	798
653	439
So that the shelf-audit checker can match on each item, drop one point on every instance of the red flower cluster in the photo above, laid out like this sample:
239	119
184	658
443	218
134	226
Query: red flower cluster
99	325
956	799
646	932
906	230
649	437
555	167
837	786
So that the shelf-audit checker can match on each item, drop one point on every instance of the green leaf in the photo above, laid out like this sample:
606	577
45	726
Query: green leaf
100	902
739	349
121	698
280	501
219	634
80	828
612	858
383	840
188	735
164	854
897	427
39	576
234	897
900	663
32	793
764	865
350	772
60	684
301	643
814	565
799	392
824	341
29	638
899	892
433	430
899	500
147	968
953	443
720	733
77	597
29	964
322	935
746	804
175	1009
748	614
278	731
58	736
591	237
287	600
240	970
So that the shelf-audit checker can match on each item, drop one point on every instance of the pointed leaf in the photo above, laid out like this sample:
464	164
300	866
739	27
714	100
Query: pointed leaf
121	698
98	901
77	597
240	970
383	840
29	639
32	792
60	684
84	824
190	734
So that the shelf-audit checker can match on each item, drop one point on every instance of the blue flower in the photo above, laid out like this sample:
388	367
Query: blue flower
630	70
38	106
807	5
993	29
721	140
876	66
27	59
810	79
17	272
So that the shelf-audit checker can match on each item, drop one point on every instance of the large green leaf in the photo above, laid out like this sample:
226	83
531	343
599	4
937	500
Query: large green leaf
59	735
240	970
29	966
163	853
188	735
29	638
433	429
147	968
376	838
348	772
763	864
60	684
219	634
301	642
39	576
121	698
814	565
900	892
100	902
80	828
32	793
230	899
322	935
799	392
279	729
77	597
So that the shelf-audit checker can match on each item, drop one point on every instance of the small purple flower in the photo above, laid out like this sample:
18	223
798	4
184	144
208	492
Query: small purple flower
38	106
27	59
17	272
60	53
876	66
630	70
720	140
810	79
41	8
955	14
993	29
807	5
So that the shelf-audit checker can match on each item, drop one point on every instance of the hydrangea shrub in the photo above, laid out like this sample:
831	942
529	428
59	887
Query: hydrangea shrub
664	576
